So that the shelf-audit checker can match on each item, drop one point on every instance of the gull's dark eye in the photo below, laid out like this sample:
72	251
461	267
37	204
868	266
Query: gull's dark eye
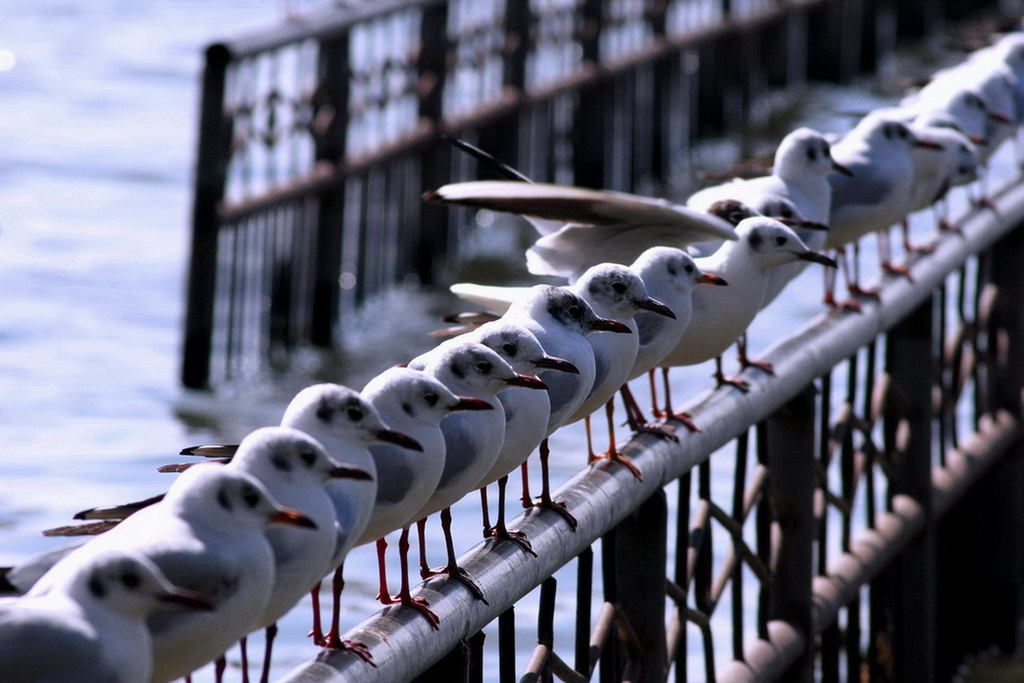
575	311
223	499
509	349
96	587
812	154
689	270
355	414
308	457
281	463
619	287
250	496
484	367
786	212
431	399
130	580
827	150
780	240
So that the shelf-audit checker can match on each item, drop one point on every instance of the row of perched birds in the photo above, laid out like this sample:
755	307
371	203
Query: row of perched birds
169	584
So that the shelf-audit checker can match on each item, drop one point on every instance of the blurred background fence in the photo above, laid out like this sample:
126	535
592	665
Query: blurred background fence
873	525
317	137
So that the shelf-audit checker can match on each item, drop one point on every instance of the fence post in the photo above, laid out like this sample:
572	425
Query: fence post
436	158
502	138
910	362
592	108
640	565
211	174
1000	491
330	147
790	455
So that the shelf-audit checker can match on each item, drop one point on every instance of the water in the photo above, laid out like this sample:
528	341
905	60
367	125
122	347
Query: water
98	102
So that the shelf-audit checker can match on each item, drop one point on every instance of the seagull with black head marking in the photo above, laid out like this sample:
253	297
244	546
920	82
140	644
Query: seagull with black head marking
721	314
414	403
473	439
670	275
526	411
94	619
207	535
296	470
879	193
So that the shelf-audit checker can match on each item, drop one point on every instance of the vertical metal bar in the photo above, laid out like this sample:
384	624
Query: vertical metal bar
917	19
640	585
507	671
831	637
1002	495
517	41
452	668
764	535
791	459
825	24
211	174
436	159
611	664
546	620
594	106
330	148
705	553
824	442
584	589
910	364
662	87
736	584
475	667
680	571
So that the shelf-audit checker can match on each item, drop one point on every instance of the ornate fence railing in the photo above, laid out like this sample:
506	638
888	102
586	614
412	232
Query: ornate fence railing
858	514
317	138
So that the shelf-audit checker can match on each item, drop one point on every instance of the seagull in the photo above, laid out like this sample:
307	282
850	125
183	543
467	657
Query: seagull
670	275
946	104
207	535
415	403
721	314
296	470
935	174
345	425
803	166
92	619
597	226
615	292
879	193
561	321
472	439
803	163
526	411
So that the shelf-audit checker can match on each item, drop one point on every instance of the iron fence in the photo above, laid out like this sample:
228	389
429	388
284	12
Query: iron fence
872	527
317	138
867	483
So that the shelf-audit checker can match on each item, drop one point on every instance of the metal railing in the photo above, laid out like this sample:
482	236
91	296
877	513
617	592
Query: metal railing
875	478
853	496
317	138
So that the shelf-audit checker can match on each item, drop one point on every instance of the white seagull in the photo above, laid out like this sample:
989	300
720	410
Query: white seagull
91	625
880	191
721	314
297	472
207	535
473	439
415	403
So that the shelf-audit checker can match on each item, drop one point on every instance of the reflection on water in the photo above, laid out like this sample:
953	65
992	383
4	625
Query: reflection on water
97	125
